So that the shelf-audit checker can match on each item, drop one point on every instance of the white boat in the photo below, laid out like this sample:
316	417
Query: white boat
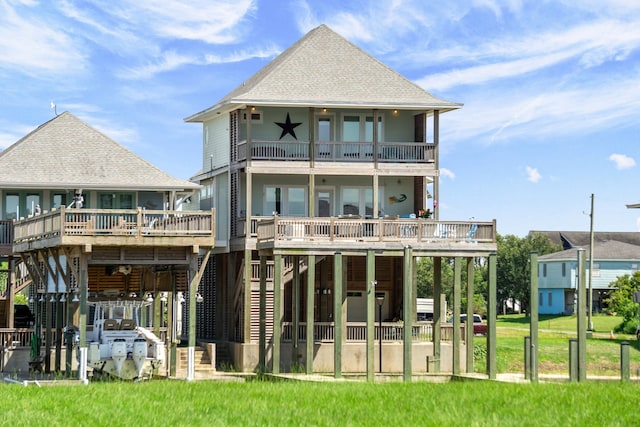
118	346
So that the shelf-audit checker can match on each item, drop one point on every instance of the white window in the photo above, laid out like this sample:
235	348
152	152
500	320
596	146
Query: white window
359	127
358	200
596	270
285	200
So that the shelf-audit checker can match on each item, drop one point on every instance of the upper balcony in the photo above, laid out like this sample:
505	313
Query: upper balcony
382	152
110	227
353	233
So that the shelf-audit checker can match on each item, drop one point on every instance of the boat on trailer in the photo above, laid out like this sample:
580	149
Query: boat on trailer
119	346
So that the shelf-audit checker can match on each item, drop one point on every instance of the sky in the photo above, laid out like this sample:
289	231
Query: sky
551	89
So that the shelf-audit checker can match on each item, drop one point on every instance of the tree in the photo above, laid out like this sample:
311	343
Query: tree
621	301
513	268
425	282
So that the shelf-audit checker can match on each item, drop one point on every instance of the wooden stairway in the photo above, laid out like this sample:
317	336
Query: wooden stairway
203	364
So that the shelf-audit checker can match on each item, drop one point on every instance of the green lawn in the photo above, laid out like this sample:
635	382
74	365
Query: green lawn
554	333
178	403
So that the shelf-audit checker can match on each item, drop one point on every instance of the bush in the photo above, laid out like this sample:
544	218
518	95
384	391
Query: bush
627	327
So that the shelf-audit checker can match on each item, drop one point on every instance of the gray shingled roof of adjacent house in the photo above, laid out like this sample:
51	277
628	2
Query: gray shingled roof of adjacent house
611	250
324	69
65	152
569	239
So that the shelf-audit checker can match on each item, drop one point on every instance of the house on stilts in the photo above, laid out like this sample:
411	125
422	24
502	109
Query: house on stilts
85	219
323	169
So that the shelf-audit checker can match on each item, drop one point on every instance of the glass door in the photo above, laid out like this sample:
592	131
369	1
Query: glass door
324	202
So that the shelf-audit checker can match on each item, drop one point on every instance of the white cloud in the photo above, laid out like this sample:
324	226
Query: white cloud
590	44
622	161
447	173
35	46
533	175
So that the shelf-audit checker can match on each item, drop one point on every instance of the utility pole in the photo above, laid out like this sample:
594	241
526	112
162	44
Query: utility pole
591	266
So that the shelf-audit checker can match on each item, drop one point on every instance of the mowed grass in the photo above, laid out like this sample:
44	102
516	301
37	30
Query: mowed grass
554	333
264	403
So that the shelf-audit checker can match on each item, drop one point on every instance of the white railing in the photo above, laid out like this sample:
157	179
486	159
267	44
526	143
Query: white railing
357	331
336	151
373	230
115	222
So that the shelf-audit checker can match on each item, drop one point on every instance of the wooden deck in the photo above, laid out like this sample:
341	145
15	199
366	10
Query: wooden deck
114	227
343	233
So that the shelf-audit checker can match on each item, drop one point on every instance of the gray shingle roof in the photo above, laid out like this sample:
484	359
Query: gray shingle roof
602	250
569	239
65	152
324	69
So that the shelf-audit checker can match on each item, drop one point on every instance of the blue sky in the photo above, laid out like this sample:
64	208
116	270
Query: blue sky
551	89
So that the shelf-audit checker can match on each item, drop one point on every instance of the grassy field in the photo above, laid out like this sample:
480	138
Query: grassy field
554	333
345	403
262	403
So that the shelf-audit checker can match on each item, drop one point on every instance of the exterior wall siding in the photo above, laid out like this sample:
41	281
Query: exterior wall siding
557	304
216	143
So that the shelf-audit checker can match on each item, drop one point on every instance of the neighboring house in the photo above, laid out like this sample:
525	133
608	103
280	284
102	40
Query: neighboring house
317	166
557	272
81	215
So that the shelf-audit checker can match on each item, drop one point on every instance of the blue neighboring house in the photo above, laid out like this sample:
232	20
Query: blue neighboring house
614	255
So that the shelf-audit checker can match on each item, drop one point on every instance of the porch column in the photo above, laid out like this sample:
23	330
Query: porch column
47	335
457	278
295	312
338	319
311	277
312	145
436	154
84	293
277	313
247	112
469	326
408	303
246	321
375	140
533	325
437	312
371	283
491	319
312	196
376	200
194	276
262	315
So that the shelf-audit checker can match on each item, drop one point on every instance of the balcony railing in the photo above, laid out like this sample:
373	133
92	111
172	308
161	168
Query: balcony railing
387	152
357	331
6	234
275	229
131	223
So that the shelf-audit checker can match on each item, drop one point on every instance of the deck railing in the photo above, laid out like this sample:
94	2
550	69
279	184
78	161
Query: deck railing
357	331
6	232
115	222
372	230
335	151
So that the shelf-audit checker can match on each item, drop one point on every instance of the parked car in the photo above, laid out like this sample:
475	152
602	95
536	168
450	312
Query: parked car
479	327
22	316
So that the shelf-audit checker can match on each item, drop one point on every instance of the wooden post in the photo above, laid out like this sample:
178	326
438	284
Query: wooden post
277	313
469	327
246	321
311	280
457	278
408	303
582	318
437	312
262	315
370	283
295	311
491	319
533	311
338	319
